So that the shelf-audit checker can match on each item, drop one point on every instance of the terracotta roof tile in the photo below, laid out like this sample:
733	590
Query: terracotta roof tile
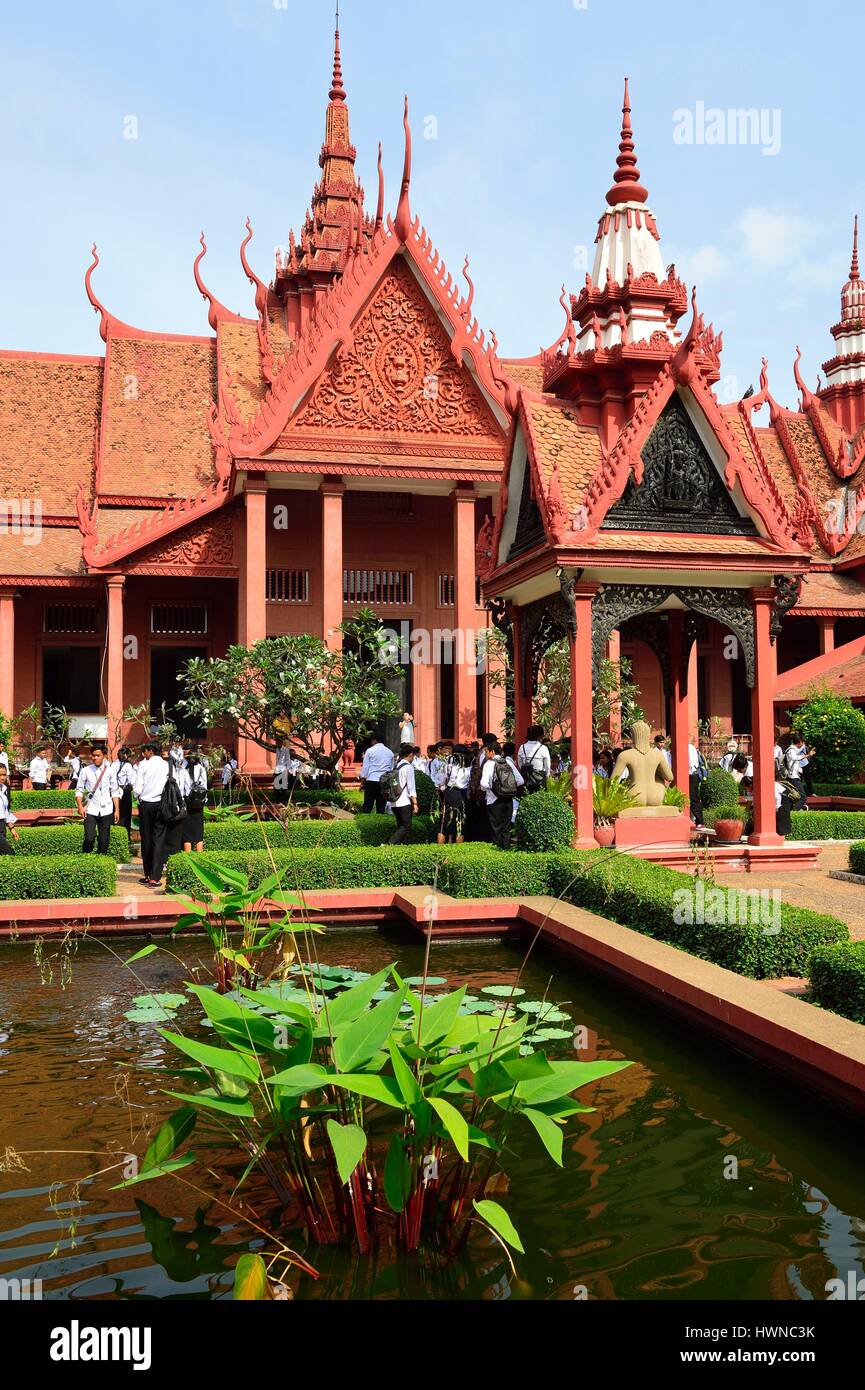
821	591
157	441
558	438
239	354
847	678
526	373
57	554
49	419
640	542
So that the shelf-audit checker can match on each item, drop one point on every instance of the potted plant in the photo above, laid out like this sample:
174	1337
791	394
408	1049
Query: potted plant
610	797
727	822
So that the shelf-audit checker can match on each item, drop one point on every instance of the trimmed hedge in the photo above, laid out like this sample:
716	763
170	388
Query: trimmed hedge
311	834
658	901
57	876
827	825
68	839
544	822
838	979
465	871
857	857
773	939
217	796
43	801
839	789
427	796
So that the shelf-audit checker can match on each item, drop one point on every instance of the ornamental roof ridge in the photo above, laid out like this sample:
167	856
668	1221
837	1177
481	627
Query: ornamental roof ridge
152	528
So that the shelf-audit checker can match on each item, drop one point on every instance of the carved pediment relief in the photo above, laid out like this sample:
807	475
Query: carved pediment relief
205	546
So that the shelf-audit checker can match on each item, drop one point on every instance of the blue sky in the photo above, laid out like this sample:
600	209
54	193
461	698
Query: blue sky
229	98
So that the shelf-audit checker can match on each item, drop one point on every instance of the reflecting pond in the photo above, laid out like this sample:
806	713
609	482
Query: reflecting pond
698	1176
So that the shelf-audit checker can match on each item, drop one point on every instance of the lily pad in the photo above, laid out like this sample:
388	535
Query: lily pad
414	980
164	1001
154	1016
548	1034
503	991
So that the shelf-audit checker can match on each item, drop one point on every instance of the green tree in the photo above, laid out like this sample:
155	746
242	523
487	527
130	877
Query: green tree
614	692
298	689
835	729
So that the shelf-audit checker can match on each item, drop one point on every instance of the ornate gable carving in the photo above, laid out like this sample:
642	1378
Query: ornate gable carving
530	524
207	546
681	489
399	375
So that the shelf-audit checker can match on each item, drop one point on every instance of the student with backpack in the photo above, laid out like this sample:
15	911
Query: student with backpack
192	780
151	776
98	802
500	781
533	760
399	787
170	818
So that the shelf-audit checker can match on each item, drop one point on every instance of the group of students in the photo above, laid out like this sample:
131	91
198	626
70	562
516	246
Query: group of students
478	784
168	784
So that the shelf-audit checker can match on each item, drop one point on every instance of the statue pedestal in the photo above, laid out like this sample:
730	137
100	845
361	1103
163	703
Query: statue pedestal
652	825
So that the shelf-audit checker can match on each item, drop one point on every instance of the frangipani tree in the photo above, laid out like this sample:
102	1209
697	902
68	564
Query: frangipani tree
295	688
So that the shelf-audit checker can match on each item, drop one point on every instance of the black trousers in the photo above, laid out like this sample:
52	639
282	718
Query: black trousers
403	818
97	831
126	810
148	814
5	846
167	840
373	797
39	786
501	813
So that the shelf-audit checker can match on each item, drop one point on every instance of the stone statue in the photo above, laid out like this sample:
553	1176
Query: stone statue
644	767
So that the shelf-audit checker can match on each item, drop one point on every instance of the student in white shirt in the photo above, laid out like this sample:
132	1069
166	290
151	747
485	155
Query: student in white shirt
124	772
727	761
229	767
73	762
406	728
150	778
798	757
4	757
98	802
7	820
193	786
533	759
284	779
178	754
405	806
376	760
455	783
39	768
500	808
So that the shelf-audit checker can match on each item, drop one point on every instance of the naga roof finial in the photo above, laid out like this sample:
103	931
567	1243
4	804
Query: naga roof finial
402	223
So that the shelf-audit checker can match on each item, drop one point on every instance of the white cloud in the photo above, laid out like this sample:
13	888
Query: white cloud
706	264
773	238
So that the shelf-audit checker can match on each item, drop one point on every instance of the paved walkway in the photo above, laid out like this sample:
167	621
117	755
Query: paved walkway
814	888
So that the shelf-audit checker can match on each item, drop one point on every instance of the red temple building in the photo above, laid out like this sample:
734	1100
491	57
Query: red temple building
357	441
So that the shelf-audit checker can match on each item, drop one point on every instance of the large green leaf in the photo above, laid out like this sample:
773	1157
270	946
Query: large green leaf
454	1123
438	1019
405	1077
171	1165
363	1038
349	1144
297	1081
216	1058
293	1007
350	1005
242	1109
250	1279
548	1131
170	1136
497	1217
566	1077
397	1175
139	955
528	1068
380	1088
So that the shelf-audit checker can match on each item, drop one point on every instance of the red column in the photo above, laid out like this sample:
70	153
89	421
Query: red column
581	718
115	584
763	723
7	652
522	703
332	490
465	614
614	654
252	616
827	635
679	703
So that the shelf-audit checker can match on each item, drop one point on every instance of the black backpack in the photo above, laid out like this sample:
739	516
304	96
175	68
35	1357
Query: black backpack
391	786
504	782
534	779
197	798
172	807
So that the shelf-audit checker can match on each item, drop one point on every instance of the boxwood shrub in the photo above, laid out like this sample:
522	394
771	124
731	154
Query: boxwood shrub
218	796
857	857
839	789
719	788
427	796
57	876
68	839
43	801
326	834
733	812
659	902
838	978
826	825
544	822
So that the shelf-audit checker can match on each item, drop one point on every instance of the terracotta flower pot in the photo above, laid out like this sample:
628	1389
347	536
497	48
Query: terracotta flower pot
605	835
728	832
